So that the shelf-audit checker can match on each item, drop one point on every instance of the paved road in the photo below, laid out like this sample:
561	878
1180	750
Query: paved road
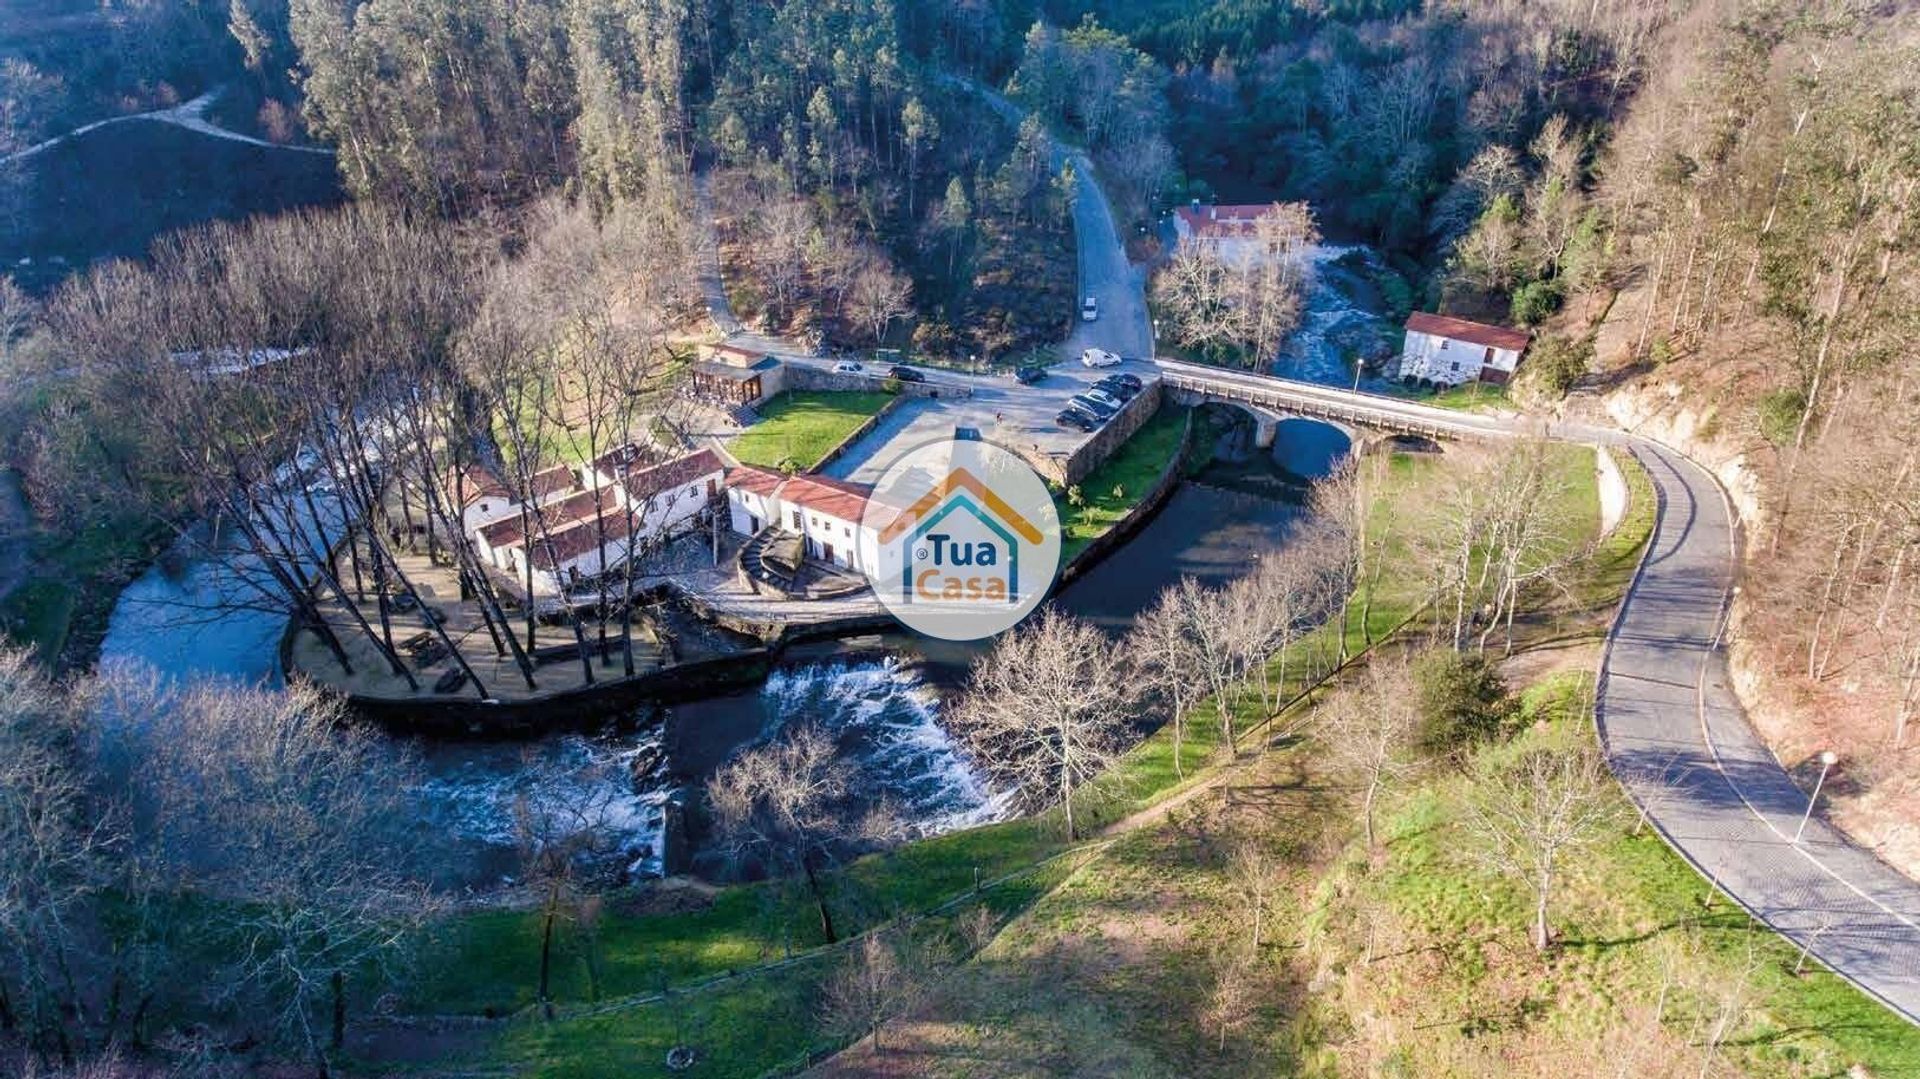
1680	742
1675	733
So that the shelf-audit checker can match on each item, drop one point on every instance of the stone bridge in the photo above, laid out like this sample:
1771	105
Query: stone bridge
1270	400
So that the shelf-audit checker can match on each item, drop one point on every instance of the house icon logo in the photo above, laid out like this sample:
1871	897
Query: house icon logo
967	539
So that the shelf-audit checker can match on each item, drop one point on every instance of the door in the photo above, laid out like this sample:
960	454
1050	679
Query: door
828	548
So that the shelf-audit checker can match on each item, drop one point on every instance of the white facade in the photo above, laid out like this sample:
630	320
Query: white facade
825	516
1452	362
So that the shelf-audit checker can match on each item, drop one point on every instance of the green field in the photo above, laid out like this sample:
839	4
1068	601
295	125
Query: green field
797	428
486	963
1111	491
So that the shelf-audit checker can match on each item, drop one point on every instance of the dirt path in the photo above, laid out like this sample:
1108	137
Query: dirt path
191	115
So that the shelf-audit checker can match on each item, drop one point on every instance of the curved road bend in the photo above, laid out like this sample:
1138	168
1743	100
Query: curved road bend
1676	735
1679	741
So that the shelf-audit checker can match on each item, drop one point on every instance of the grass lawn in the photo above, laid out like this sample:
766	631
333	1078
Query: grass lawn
1467	397
799	427
1111	491
73	582
486	963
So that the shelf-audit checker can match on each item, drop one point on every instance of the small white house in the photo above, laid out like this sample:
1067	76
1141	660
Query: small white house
1451	351
825	512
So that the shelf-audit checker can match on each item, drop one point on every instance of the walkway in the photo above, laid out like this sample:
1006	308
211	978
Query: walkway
1678	739
191	115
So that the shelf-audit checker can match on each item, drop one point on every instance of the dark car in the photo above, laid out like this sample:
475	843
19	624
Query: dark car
1073	417
905	374
1117	388
1132	381
1088	404
1027	376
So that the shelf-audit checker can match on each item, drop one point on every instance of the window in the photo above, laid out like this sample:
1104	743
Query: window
1455	365
796	520
1443	344
1488	358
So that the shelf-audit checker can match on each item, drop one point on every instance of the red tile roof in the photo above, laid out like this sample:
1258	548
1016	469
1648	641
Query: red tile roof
1459	329
735	356
1218	221
678	472
575	539
835	498
474	483
501	534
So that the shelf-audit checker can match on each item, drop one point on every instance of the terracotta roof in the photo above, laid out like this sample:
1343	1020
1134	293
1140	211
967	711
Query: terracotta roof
1219	221
834	498
678	472
576	539
501	534
735	356
475	482
632	456
754	479
579	507
549	481
1476	333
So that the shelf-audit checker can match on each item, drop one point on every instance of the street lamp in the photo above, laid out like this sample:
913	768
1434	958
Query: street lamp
1827	759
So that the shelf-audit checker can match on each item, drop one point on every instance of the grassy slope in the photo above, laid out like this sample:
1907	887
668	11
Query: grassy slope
1414	963
1111	491
801	426
486	963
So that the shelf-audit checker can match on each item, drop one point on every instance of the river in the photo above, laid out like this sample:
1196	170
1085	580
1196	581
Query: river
879	696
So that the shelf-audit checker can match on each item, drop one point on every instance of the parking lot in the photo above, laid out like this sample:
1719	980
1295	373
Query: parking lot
999	408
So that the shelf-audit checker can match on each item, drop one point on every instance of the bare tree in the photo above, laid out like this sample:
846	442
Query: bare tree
1369	730
559	832
1160	656
882	978
282	801
1527	817
1254	868
784	802
1045	711
55	851
879	295
1235	995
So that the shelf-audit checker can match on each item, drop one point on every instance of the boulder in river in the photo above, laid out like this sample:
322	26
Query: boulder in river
675	851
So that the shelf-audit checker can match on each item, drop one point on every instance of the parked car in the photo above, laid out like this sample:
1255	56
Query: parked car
905	373
1117	388
1132	381
1090	310
1029	375
1088	404
1073	417
1111	400
1099	357
848	367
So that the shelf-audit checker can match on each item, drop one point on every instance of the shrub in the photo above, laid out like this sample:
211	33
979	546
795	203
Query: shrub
1535	301
1463	702
1557	363
1780	413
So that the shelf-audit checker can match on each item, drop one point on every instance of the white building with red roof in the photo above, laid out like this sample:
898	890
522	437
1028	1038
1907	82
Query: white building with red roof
825	513
1449	351
588	519
1227	229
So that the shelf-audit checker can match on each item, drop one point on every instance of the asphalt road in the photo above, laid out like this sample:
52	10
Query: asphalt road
1678	739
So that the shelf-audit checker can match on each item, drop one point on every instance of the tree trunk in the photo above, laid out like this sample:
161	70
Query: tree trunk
339	1010
819	899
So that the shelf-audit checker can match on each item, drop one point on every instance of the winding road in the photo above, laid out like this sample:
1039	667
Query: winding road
1673	731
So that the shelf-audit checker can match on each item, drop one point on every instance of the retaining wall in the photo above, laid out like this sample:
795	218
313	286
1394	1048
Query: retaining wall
1069	469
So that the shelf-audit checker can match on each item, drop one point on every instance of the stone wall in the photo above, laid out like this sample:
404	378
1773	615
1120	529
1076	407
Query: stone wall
821	380
1137	517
